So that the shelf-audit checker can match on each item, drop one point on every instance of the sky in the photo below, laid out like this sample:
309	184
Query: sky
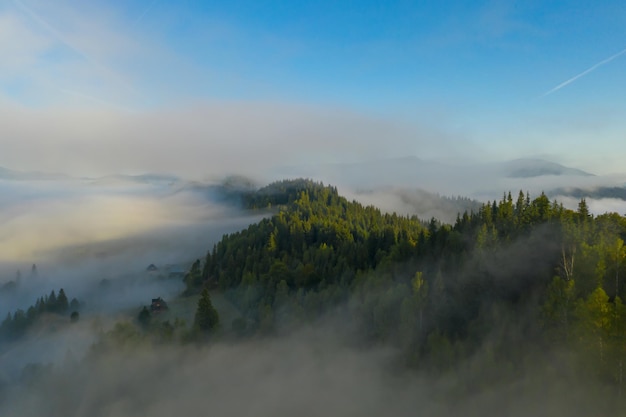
199	87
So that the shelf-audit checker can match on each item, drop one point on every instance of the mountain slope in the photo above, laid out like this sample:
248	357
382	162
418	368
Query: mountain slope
530	168
13	175
488	287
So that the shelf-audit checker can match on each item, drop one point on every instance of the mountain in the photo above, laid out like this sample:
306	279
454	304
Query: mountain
530	168
595	193
415	201
13	175
452	177
491	286
466	308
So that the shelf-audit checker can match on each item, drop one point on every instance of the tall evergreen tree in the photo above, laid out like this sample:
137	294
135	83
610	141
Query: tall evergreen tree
194	276
62	303
206	319
144	317
51	303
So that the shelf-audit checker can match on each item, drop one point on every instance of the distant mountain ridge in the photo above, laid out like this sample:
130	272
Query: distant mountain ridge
595	193
154	179
531	168
148	178
14	175
388	170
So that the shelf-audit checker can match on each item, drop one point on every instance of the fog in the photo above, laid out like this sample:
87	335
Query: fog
183	96
205	141
210	139
314	371
414	186
469	177
96	238
82	231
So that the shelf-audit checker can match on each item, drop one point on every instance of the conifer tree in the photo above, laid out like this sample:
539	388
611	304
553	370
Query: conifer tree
62	303
206	318
51	303
144	317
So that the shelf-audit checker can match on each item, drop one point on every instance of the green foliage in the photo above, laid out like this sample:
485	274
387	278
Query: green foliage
144	317
206	319
15	325
74	316
193	278
62	304
553	274
558	308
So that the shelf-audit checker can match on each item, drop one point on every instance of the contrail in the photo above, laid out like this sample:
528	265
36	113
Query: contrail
59	36
52	30
145	12
585	72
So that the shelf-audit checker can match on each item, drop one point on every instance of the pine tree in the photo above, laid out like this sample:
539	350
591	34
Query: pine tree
420	295
583	211
193	279
144	317
206	319
74	304
62	303
51	303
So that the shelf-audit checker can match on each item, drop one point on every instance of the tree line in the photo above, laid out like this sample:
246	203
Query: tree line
15	325
518	273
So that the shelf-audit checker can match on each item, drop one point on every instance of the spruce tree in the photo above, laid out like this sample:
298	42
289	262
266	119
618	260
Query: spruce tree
62	303
51	303
144	317
206	318
74	304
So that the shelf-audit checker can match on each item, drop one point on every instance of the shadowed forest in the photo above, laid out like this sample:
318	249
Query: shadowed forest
517	304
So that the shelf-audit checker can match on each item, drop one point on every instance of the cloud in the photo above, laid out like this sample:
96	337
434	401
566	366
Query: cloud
206	139
311	372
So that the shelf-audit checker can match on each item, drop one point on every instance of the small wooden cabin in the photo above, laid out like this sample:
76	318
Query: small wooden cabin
158	305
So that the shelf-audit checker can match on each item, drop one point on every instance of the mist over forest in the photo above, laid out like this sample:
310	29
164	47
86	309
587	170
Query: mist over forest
280	208
315	303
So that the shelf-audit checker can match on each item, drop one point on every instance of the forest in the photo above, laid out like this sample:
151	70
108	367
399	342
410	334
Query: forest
516	293
513	280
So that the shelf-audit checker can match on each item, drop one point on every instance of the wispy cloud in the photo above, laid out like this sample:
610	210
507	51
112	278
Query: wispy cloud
587	71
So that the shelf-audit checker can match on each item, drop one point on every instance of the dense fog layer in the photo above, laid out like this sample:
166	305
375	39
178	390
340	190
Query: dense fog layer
314	371
95	240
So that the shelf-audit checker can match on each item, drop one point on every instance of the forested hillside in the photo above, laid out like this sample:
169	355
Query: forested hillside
518	277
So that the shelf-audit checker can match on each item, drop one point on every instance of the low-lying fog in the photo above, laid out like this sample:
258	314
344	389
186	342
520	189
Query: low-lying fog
311	372
412	185
83	232
95	239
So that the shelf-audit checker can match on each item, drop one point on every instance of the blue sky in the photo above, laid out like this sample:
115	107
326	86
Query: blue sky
445	79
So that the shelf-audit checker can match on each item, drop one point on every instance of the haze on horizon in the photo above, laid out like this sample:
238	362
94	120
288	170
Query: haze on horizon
198	89
268	89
